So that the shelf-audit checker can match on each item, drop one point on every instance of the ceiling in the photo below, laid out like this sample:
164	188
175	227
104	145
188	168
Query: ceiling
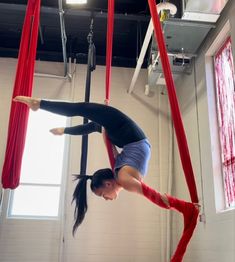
131	22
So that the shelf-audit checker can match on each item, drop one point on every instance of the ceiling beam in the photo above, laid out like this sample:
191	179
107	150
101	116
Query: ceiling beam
75	12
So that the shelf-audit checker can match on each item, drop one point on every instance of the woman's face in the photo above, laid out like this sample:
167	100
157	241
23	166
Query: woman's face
108	191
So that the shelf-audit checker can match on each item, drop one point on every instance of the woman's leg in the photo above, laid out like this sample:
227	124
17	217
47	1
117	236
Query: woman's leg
120	128
106	116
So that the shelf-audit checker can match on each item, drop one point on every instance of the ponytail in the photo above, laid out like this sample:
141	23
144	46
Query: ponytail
80	198
80	192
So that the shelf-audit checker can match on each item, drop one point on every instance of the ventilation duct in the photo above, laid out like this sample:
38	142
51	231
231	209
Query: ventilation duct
183	38
182	47
203	10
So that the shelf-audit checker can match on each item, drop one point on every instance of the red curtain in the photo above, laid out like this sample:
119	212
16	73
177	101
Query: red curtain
225	94
23	86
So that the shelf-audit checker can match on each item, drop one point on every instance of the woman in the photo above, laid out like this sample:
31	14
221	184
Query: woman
130	165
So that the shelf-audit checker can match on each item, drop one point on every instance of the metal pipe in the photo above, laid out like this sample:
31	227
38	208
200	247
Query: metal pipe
68	76
137	40
169	190
160	7
63	36
142	55
41	35
66	179
50	76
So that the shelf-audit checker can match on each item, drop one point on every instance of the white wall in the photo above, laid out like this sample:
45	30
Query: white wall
215	239
129	229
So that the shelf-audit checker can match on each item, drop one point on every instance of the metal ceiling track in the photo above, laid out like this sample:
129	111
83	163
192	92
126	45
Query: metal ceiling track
63	37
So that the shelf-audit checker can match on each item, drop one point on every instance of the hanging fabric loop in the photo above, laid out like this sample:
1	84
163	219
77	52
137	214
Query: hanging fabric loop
90	67
23	86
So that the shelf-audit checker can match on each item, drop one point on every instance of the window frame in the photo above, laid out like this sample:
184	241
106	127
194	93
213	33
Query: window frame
224	163
61	185
219	194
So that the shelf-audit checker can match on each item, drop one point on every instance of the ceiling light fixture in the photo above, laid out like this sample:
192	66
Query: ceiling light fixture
79	2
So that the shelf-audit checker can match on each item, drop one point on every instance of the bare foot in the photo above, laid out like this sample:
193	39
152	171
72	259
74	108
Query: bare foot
32	103
57	131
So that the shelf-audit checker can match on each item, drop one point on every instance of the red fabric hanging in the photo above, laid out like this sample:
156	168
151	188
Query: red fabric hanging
190	220
176	116
109	45
23	86
180	133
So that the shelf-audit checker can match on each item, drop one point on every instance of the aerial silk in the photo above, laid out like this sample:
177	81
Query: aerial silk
176	116
109	44
91	65
23	86
178	124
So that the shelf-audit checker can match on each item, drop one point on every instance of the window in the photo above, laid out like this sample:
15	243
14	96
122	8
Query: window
39	192
225	99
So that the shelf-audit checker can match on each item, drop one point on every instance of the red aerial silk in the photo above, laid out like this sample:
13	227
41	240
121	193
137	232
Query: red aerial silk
23	86
176	116
179	129
109	44
180	133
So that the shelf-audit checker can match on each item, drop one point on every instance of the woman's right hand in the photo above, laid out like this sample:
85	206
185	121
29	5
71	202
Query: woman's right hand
57	131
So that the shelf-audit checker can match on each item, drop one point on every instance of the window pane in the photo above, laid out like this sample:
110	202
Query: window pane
225	93
35	201
43	155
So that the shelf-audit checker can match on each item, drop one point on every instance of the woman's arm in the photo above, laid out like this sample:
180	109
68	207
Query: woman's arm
130	180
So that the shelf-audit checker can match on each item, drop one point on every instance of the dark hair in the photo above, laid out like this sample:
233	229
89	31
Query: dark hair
80	192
